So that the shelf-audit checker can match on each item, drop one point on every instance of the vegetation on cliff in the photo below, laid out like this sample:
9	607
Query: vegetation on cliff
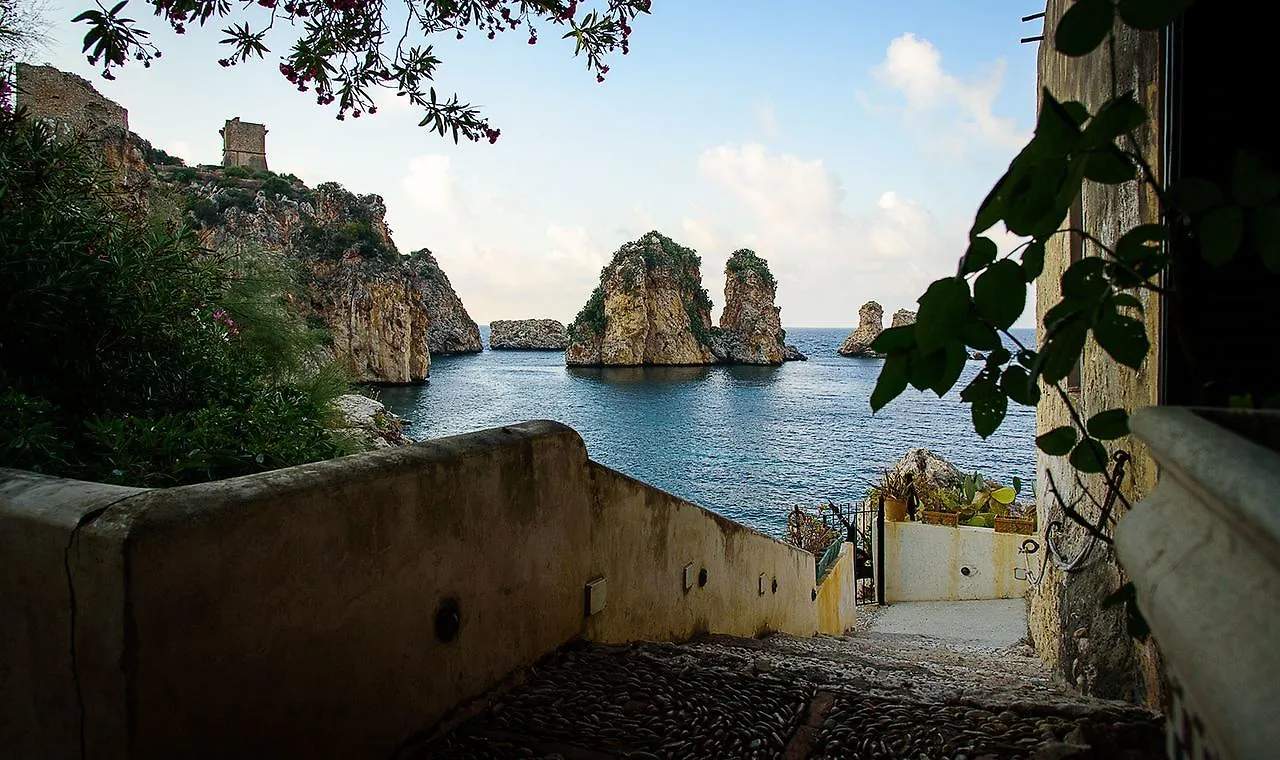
745	260
130	353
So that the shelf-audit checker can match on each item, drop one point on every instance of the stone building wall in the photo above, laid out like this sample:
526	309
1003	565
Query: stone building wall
1086	644
48	93
244	144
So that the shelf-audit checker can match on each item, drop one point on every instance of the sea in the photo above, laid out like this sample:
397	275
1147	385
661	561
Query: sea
747	442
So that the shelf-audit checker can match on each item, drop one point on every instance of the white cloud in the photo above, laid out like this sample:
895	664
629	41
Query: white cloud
768	120
430	183
913	67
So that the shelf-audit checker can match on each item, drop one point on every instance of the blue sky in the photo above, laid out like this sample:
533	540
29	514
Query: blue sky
847	142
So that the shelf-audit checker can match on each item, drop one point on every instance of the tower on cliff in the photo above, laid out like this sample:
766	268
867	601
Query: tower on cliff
244	144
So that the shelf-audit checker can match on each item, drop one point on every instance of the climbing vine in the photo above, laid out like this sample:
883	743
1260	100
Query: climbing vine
977	306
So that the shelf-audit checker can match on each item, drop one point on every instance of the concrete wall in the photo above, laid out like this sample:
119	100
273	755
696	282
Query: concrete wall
48	93
838	594
926	563
294	613
1104	661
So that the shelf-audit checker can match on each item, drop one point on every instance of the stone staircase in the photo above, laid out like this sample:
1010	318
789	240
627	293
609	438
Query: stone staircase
866	695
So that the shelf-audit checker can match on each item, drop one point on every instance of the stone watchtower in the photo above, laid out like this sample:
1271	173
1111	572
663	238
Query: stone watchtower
244	144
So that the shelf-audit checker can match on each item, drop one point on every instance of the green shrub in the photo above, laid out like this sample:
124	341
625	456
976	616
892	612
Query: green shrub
183	174
129	354
239	172
745	260
590	320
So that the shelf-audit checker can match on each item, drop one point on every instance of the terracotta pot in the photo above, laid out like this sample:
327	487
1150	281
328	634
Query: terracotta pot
940	518
895	510
1025	525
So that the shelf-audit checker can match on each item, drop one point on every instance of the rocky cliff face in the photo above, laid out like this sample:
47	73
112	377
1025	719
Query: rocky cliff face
902	318
452	329
650	308
528	335
359	286
870	324
751	326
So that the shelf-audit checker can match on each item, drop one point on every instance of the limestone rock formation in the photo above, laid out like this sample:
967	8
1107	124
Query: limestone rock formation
368	422
528	335
792	354
451	330
650	308
924	465
870	324
751	324
902	317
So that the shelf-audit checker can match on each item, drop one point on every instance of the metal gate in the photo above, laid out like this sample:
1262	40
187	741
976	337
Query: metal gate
863	526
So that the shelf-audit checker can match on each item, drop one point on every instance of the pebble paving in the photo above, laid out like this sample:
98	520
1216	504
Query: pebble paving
866	695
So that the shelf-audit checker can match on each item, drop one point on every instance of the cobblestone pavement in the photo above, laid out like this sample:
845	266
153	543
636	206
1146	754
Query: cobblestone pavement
866	695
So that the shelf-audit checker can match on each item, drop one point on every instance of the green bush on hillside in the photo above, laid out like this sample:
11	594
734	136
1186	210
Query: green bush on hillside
129	354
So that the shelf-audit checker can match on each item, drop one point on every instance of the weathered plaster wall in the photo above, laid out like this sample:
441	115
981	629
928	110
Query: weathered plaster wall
925	562
838	594
1088	645
293	613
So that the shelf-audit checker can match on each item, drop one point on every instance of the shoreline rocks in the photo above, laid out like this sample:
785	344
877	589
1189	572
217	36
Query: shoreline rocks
750	325
870	325
368	422
527	335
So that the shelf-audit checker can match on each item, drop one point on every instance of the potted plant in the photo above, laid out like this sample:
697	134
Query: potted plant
894	488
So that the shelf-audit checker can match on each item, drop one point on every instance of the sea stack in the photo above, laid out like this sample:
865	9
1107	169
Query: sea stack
527	335
451	329
649	309
870	325
751	325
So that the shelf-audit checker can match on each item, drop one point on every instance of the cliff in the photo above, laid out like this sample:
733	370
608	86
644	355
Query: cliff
451	330
528	335
870	324
358	286
902	318
649	308
751	325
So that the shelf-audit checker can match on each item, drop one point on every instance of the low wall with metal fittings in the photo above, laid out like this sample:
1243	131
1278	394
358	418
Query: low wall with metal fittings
345	607
937	562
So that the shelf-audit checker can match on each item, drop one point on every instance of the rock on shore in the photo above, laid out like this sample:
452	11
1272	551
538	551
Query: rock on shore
751	326
870	325
527	335
368	422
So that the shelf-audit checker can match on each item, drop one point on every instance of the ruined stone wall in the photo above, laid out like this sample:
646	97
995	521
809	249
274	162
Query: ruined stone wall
48	93
244	144
1086	644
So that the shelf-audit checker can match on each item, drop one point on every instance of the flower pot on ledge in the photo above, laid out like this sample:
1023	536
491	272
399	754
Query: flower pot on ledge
895	510
1203	551
949	519
1024	525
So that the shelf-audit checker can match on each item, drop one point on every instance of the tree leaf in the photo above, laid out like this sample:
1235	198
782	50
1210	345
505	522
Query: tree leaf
988	404
982	251
1084	26
1150	14
1195	196
1118	116
1108	425
1221	232
925	370
1124	338
1110	167
891	383
1127	300
1139	242
943	311
1063	350
1085	282
1019	387
1058	441
1004	495
1088	456
1252	183
1000	293
1033	260
895	339
980	335
956	357
1266	233
1017	484
991	210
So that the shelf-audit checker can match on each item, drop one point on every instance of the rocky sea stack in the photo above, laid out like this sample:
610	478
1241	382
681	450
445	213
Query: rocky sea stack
870	325
649	308
751	326
452	330
527	335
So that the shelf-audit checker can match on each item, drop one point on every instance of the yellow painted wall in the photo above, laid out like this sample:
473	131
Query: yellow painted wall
924	563
838	595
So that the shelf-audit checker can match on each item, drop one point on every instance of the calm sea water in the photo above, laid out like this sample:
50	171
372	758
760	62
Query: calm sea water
747	442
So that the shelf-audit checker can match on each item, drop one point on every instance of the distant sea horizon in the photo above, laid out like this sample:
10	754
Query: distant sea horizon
747	442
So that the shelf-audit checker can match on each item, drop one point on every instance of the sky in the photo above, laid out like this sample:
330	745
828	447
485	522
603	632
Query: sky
847	142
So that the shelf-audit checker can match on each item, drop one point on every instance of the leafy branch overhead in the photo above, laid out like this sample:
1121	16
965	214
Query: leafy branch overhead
348	50
1100	294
